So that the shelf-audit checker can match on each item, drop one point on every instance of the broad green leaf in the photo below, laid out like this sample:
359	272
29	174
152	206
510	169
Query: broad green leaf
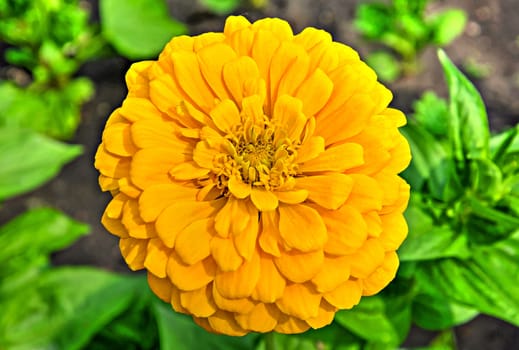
444	182
434	312
447	26
486	179
221	7
427	153
138	28
34	234
485	282
27	160
386	65
64	308
468	123
431	112
53	112
180	332
372	20
413	25
383	319
427	241
502	143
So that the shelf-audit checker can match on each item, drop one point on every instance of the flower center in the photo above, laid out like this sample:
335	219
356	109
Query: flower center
260	154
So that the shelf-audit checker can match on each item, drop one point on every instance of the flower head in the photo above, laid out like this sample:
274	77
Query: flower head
255	177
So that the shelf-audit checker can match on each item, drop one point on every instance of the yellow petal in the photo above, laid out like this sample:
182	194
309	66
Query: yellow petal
262	318
137	78
114	209
292	197
324	317
381	277
301	227
394	231
212	59
150	133
312	102
133	222
242	305
264	200
347	230
366	194
175	300
242	79
300	300
156	198
367	258
190	277
310	149
187	70
335	270
265	45
117	140
291	325
232	219
329	191
345	296
245	242
240	283
225	254
160	286
157	256
207	39
225	115
235	23
114	226
193	242
134	252
139	109
224	322
111	165
179	215
271	283
239	188
288	112
300	267
270	237
188	171
199	302
336	158
288	69
280	28
347	121
150	166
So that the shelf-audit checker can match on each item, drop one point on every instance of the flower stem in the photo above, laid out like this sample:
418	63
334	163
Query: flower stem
270	342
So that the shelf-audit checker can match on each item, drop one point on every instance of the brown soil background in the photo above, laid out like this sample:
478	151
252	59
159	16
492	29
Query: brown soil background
490	39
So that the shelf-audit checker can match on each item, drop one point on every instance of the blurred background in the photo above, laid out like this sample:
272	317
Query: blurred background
487	50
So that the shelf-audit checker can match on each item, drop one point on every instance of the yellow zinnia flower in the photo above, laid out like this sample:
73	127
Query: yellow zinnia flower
255	177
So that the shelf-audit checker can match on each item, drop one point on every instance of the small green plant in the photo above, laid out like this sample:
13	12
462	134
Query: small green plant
403	27
50	40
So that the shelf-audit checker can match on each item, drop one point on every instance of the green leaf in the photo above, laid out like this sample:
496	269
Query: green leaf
138	28
64	308
27	160
381	319
486	179
431	112
502	143
386	65
433	312
428	153
180	332
427	241
221	7
33	234
54	112
468	124
447	26
485	282
372	20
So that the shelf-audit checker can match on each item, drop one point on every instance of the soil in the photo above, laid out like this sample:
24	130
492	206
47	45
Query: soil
491	40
